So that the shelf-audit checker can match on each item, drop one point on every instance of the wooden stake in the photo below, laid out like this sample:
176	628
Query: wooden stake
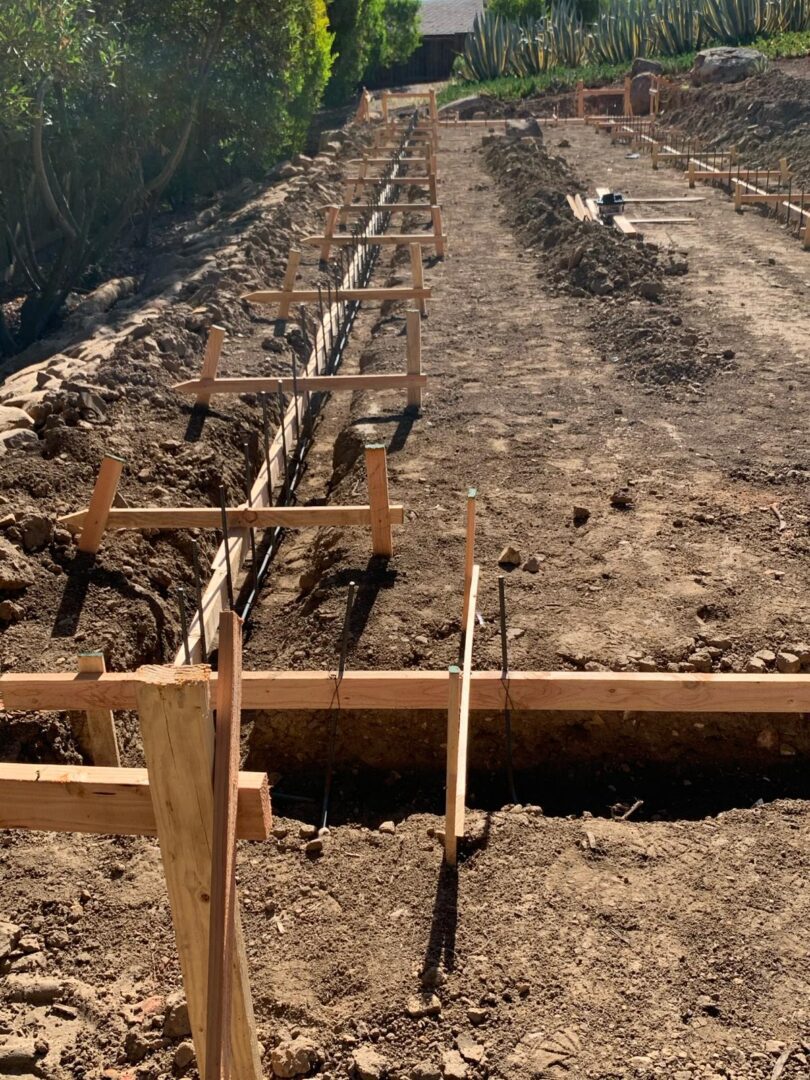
784	170
432	107
690	172
580	99
223	857
414	355
436	217
469	553
654	155
451	787
288	284
178	741
464	704
627	107
213	349
377	473
95	520
328	231
384	102
417	274
98	734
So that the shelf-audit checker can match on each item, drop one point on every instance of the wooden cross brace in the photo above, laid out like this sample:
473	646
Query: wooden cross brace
435	238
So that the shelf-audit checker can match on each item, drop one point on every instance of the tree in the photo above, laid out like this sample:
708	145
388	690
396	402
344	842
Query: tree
106	110
368	35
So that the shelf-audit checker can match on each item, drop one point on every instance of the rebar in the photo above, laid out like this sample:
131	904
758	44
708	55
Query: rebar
223	507
198	592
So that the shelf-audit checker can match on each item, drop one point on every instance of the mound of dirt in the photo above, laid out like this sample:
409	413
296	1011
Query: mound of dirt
767	117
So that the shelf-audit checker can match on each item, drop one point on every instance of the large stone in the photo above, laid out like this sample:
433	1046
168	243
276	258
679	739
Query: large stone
368	1064
727	64
18	439
453	1067
9	936
640	94
294	1057
18	1055
176	1025
11	418
641	65
16	572
517	129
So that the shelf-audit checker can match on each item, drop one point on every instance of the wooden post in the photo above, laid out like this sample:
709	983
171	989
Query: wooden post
469	553
738	191
784	171
384	103
223	858
101	501
433	186
732	155
213	349
377	473
174	706
691	172
288	284
414	356
628	108
98	728
453	711
329	231
436	217
418	274
580	98
806	240
654	155
434	112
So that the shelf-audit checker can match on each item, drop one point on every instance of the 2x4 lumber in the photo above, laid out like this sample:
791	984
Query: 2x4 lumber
330	225
592	210
213	351
383	240
239	517
733	174
103	801
223	856
174	706
577	209
417	273
464	703
310	296
469	552
663	221
288	284
534	691
413	353
95	518
624	225
451	782
392	208
98	726
438	233
382	543
326	383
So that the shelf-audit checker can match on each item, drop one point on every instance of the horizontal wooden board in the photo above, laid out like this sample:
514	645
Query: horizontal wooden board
658	692
311	296
328	383
242	517
69	798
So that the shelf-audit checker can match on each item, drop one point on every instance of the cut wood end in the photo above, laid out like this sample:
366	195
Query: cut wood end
169	675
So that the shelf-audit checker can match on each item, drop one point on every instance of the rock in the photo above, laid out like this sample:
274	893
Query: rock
774	1046
12	418
642	65
37	531
138	1045
701	660
767	656
532	564
453	1067
103	298
420	1005
176	1024
9	934
537	1054
650	289
756	666
510	556
18	439
18	1055
477	1016
788	663
184	1055
314	848
469	1049
640	1062
466	107
426	1070
640	93
726	64
294	1057
368	1064
622	499
581	515
521	128
388	827
32	989
58	939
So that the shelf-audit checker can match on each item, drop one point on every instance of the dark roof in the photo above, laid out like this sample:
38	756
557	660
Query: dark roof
448	16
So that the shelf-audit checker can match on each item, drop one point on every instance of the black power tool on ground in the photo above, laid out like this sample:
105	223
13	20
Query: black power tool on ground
610	204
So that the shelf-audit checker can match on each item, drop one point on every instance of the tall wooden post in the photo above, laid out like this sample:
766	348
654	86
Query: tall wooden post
414	356
418	274
174	706
95	521
581	99
469	553
377	472
436	218
628	108
451	784
293	260
213	350
98	728
384	103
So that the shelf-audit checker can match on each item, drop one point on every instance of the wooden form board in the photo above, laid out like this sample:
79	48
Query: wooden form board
458	727
174	709
311	296
239	517
532	691
326	383
98	734
107	801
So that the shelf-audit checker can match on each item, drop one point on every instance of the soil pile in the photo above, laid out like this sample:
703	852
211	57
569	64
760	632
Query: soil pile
638	325
767	117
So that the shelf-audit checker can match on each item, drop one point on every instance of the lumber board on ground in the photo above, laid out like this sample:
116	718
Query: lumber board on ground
242	517
655	692
624	225
663	221
174	709
100	800
592	211
328	383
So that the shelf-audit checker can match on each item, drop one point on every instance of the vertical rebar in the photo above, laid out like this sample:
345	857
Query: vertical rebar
266	446
507	712
285	466
249	501
198	592
181	603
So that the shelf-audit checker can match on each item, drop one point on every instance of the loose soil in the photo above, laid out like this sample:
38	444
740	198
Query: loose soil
581	946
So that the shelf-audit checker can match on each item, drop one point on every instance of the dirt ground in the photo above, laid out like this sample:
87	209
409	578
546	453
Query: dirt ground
633	419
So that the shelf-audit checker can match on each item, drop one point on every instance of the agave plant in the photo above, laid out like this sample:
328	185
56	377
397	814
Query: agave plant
534	51
734	21
787	15
678	27
489	49
623	30
567	37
